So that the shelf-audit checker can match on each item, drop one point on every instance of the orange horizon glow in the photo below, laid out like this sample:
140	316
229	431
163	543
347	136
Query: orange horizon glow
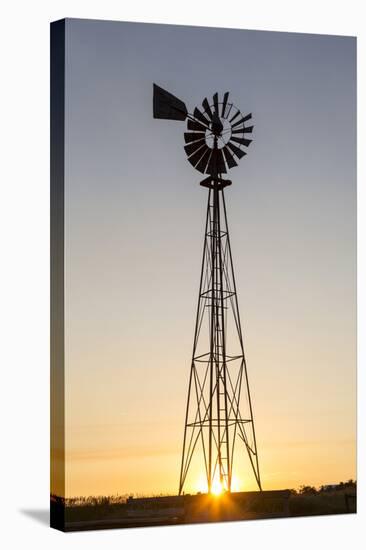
146	470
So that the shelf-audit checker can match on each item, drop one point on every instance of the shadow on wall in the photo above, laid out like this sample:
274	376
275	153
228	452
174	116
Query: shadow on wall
42	516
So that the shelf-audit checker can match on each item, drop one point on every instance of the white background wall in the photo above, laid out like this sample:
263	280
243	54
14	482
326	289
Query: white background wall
24	274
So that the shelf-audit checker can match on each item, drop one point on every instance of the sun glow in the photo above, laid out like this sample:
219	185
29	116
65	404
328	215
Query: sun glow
217	488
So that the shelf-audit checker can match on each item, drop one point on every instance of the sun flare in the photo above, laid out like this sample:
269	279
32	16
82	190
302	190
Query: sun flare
217	488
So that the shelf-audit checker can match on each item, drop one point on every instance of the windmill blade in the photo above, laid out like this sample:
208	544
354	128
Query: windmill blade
216	102
197	126
197	114
167	106
242	141
226	96
192	147
238	152
207	108
193	136
211	166
234	116
220	162
247	130
216	163
201	166
228	109
242	120
229	158
193	159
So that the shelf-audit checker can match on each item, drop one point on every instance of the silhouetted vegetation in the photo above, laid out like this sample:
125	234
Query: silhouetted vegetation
337	498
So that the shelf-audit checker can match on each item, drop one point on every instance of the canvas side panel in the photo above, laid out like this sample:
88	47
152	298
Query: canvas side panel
57	515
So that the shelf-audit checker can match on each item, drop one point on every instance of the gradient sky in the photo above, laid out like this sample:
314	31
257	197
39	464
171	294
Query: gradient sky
133	241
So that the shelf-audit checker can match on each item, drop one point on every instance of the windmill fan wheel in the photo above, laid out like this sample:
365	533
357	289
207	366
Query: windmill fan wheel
216	136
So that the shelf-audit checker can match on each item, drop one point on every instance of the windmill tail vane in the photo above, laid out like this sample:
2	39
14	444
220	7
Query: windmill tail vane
219	413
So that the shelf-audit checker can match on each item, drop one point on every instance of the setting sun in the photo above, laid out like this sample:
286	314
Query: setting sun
217	488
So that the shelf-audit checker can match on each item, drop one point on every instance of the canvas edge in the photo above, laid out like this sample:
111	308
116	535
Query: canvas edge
57	311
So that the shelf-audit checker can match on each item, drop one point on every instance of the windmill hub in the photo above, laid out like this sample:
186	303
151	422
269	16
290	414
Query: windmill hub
216	124
223	135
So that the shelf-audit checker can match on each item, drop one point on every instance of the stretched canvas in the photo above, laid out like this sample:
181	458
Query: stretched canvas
203	274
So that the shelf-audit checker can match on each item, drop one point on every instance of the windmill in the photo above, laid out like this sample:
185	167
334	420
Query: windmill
219	409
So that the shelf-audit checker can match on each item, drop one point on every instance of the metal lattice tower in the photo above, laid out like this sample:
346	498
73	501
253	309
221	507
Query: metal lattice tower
219	406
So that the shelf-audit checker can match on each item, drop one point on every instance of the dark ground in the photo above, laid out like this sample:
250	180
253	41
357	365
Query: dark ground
201	508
